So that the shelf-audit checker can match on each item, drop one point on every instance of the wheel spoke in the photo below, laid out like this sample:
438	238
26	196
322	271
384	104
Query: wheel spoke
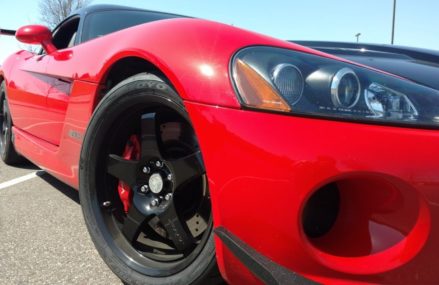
153	235
177	231
123	169
187	168
133	224
150	148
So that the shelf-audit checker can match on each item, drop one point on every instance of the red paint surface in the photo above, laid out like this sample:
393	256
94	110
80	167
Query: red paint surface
262	167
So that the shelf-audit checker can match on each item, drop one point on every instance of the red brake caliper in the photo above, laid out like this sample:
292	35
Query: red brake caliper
131	152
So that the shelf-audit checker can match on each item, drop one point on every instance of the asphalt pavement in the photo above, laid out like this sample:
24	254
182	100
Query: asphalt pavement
43	238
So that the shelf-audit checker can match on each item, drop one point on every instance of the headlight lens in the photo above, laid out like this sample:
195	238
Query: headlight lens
345	88
288	81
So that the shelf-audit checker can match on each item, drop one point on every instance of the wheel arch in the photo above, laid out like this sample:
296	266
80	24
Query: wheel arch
125	67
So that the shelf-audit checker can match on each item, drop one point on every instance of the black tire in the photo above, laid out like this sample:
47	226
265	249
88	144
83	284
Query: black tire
7	149
108	128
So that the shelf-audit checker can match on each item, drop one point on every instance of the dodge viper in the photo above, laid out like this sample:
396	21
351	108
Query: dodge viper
203	152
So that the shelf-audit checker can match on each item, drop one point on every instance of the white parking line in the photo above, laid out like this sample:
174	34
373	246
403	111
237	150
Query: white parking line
19	179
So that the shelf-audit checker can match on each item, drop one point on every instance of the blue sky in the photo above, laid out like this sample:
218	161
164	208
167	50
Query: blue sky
417	22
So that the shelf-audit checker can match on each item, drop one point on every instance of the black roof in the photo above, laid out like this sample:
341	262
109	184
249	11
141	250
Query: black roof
102	7
107	7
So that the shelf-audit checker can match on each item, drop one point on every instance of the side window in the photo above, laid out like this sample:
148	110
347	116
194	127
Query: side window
102	23
64	36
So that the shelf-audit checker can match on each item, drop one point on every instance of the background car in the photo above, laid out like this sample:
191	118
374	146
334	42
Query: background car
198	146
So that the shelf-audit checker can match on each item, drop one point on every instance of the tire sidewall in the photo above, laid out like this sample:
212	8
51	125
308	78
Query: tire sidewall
7	153
4	149
135	90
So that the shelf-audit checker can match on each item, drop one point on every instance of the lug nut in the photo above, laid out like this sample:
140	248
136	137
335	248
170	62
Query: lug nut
159	164
169	177
155	203
144	188
168	196
146	169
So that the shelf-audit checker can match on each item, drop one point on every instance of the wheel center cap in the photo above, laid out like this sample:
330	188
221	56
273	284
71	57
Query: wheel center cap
156	183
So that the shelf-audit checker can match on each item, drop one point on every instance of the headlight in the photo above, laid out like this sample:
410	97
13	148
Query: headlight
345	88
282	80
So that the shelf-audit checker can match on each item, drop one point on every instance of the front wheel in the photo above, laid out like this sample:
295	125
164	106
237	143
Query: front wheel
143	187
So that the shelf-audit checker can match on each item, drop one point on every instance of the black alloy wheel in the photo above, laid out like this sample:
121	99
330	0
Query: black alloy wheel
147	209
159	218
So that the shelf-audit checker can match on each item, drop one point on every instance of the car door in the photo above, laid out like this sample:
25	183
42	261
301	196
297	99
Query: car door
58	95
37	95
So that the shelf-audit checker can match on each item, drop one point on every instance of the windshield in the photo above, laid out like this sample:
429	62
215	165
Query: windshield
102	23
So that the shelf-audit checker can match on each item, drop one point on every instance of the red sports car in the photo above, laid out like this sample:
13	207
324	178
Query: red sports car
198	146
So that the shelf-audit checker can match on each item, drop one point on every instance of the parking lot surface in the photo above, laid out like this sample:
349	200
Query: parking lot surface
43	238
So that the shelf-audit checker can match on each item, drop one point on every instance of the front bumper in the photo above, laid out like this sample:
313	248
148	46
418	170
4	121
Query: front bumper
263	168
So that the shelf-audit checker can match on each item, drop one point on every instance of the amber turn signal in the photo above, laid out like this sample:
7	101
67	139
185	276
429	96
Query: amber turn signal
255	91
